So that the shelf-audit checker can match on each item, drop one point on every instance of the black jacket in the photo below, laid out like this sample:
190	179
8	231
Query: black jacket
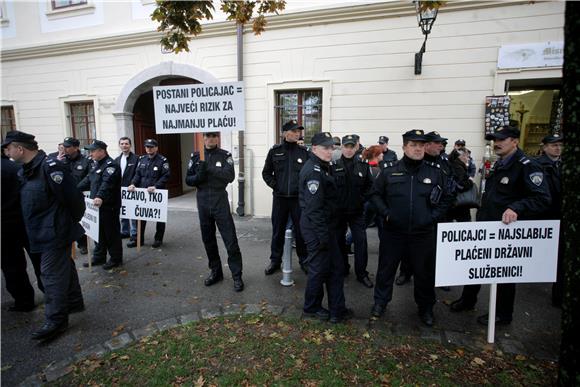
151	172
389	156
412	195
129	173
460	174
104	181
353	182
51	204
317	197
211	176
552	174
519	185
282	168
11	211
80	166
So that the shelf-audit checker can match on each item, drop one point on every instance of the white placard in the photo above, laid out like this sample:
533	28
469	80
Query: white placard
515	56
90	220
207	107
471	253
144	205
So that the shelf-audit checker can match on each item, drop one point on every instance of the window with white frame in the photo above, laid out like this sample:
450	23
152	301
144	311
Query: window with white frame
60	4
7	121
304	106
82	121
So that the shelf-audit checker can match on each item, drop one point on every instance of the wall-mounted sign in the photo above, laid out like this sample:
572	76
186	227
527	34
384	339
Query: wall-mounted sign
497	112
515	56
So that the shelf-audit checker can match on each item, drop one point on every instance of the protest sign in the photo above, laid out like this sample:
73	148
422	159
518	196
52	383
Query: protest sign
471	253
199	108
90	220
143	205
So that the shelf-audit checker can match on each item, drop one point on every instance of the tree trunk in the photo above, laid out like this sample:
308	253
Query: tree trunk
569	374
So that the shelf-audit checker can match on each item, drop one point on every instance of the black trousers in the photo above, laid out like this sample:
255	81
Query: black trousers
357	225
61	283
325	268
159	230
282	208
218	214
109	236
14	267
419	249
82	242
506	294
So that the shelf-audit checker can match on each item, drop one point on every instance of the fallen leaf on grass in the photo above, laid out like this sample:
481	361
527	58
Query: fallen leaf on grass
460	351
232	339
520	357
434	357
478	361
124	357
200	382
328	336
366	335
118	330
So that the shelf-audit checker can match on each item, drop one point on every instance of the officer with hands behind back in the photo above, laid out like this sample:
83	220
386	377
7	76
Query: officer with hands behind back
152	173
281	172
318	224
104	182
211	177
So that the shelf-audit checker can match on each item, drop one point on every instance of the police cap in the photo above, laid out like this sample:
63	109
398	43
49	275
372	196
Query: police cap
435	137
70	141
17	136
503	132
322	138
350	139
383	140
415	135
460	142
96	144
552	138
291	125
151	142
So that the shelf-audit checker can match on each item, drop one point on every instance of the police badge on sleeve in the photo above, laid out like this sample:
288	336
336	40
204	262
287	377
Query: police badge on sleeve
57	177
313	186
537	178
110	170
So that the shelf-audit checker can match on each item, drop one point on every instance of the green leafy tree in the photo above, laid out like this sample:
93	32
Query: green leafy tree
569	374
181	20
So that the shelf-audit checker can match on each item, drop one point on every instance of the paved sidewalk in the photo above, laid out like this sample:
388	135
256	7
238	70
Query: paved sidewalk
162	285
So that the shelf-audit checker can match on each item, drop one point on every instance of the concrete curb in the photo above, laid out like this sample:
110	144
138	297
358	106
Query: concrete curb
63	367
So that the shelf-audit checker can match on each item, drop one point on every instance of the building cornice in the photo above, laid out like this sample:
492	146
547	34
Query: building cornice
290	20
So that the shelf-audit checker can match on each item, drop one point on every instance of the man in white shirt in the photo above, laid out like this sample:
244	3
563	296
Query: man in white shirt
128	162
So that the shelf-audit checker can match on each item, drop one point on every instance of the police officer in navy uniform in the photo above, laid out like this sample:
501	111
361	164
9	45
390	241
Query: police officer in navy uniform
280	172
388	155
104	182
211	176
152	173
515	190
410	196
80	167
353	182
52	207
551	162
318	198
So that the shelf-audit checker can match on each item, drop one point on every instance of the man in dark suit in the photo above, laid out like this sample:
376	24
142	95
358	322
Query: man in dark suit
127	160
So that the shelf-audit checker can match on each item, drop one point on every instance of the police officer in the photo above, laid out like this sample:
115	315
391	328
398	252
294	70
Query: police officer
127	160
49	197
353	182
317	193
388	154
211	176
515	190
14	239
152	173
410	196
104	182
79	167
551	162
280	172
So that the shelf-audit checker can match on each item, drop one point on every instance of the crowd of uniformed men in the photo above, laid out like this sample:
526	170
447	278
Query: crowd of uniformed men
328	195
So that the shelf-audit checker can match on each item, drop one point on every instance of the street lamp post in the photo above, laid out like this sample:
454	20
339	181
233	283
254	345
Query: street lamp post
426	17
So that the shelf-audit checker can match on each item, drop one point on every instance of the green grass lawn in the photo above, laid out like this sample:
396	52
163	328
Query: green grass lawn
270	350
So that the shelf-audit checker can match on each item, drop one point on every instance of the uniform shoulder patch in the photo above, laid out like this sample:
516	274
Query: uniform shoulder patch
165	165
230	160
110	170
313	186
316	168
57	176
537	177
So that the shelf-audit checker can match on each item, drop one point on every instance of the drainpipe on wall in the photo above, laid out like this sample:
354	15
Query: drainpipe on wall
241	172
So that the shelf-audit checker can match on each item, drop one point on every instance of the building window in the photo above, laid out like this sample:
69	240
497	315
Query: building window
82	119
7	121
304	106
60	4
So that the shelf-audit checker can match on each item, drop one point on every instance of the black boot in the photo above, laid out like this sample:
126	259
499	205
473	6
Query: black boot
426	315
238	284
95	262
214	277
50	330
272	268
